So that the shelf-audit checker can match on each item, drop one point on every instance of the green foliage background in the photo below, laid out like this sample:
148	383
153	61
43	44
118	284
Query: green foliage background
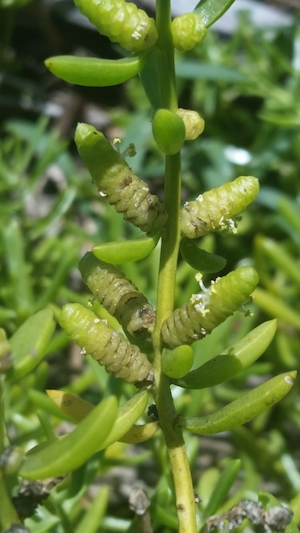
247	89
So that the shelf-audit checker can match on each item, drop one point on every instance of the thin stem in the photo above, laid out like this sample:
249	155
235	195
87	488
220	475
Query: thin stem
170	240
166	55
9	515
185	503
185	500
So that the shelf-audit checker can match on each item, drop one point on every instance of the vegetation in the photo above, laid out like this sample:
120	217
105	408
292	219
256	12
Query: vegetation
159	298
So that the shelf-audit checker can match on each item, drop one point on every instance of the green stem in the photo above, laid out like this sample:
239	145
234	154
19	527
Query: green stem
8	515
166	67
170	241
185	503
185	500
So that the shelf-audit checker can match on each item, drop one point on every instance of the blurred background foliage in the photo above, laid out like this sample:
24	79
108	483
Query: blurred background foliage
247	88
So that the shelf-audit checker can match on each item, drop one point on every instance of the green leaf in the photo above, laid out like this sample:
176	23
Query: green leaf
128	413
268	500
279	257
13	249
291	528
276	514
150	79
118	253
276	307
200	259
77	408
235	359
92	519
95	72
30	342
244	409
222	488
212	10
197	70
71	451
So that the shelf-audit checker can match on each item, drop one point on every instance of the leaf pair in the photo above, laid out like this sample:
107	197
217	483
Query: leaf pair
102	426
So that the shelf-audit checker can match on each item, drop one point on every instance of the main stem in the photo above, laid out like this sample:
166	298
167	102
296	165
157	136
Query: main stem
185	502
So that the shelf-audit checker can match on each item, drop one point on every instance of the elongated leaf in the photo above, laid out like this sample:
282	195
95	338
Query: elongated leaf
200	259
277	517
196	70
222	488
276	307
117	253
13	243
127	415
236	358
95	72
71	451
150	79
92	519
212	10
29	343
244	409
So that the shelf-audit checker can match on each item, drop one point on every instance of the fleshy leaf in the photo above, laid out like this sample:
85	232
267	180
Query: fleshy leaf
244	409
30	342
212	10
95	72
128	413
118	253
70	451
232	361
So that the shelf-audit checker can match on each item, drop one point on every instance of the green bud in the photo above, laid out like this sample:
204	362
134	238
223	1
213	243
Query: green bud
193	122
168	131
178	362
188	30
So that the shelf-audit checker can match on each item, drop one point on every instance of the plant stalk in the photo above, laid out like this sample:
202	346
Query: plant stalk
185	502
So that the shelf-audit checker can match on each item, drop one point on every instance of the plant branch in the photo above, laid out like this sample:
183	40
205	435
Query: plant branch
166	67
185	503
